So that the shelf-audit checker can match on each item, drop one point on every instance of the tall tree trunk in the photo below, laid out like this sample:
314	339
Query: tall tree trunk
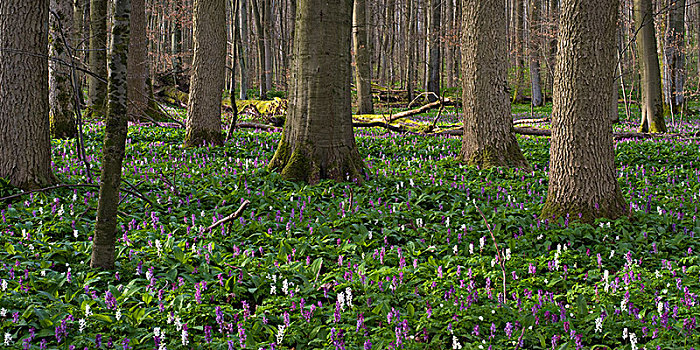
137	104
582	177
449	46
318	141
114	142
363	69
488	139
208	68
97	88
258	12
62	123
176	47
267	27
434	60
534	52
652	104
243	49
78	37
519	14
411	57
674	56
25	149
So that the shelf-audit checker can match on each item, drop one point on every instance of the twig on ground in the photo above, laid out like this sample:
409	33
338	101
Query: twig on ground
231	217
501	258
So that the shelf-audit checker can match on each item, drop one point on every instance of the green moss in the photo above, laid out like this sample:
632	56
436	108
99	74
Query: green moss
612	209
489	158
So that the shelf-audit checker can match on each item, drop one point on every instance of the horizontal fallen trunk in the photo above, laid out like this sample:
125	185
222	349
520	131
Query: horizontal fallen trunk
420	110
616	135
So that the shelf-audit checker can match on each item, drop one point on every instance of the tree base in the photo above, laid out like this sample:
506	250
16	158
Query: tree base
612	209
489	157
201	138
302	163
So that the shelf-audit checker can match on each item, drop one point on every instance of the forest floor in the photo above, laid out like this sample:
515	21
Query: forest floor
404	260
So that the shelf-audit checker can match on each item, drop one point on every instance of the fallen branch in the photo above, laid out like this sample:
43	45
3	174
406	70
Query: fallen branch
231	217
528	120
248	125
422	109
501	258
380	125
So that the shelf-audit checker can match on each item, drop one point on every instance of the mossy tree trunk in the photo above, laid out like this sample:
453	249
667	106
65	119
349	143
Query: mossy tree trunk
652	103
318	141
114	142
207	81
137	105
674	56
582	175
488	139
434	59
363	68
97	57
25	142
62	122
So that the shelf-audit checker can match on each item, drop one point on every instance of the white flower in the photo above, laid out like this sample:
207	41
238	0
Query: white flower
88	313
341	301
81	325
43	273
118	315
599	324
657	274
507	253
148	275
633	341
348	296
178	324
170	318
3	312
3	285
163	345
660	307
606	274
158	248
447	222
280	333
455	343
183	336
471	248
285	286
482	241
624	333
156	331
623	304
455	250
75	233
8	339
612	252
273	289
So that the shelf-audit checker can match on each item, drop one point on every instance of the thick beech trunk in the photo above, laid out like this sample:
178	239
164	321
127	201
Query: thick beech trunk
363	69
97	89
652	103
25	144
582	176
137	104
318	141
207	82
114	142
62	122
488	138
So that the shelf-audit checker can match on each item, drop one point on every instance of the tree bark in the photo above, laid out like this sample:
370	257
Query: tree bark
114	142
582	175
652	104
674	56
434	60
519	14
363	69
61	121
318	141
410	58
207	82
488	138
243	50
259	26
534	52
25	146
137	104
97	89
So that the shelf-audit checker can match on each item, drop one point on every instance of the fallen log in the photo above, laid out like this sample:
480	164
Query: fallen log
616	135
422	109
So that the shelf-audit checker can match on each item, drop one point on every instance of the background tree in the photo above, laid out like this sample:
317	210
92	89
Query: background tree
652	104
519	19
137	74
582	175
435	61
62	122
114	142
488	139
534	52
674	56
318	141
25	149
208	69
97	88
363	67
